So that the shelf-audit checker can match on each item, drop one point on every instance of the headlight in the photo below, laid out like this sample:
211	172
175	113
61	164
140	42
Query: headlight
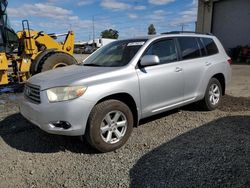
58	94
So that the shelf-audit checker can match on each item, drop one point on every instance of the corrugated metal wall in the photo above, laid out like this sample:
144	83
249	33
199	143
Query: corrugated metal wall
231	22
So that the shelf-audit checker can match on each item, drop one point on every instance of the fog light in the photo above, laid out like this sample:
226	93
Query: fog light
62	124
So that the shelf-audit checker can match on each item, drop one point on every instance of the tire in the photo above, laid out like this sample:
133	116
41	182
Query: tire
212	99
56	60
34	67
101	131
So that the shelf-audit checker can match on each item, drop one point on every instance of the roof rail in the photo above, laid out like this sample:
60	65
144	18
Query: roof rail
183	32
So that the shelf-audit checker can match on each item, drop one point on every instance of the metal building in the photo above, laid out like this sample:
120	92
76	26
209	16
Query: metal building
229	20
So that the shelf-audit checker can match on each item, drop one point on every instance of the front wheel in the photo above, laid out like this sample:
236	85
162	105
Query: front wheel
109	125
213	95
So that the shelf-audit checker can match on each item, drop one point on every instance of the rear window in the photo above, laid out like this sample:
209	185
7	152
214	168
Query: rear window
210	46
189	47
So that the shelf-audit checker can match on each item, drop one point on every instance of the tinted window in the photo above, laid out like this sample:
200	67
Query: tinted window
210	46
164	49
202	47
189	47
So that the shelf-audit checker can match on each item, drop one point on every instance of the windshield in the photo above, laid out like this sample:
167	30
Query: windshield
3	14
3	4
9	38
115	54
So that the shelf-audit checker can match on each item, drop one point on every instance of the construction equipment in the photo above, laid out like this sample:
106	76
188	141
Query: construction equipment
29	52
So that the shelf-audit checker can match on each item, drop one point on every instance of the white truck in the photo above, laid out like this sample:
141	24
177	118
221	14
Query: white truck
99	42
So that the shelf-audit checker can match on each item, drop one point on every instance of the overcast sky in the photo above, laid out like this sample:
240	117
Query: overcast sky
131	18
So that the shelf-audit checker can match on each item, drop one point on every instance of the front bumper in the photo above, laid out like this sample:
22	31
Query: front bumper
75	112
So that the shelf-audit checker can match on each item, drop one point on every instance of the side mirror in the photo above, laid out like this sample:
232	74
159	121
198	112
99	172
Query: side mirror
149	60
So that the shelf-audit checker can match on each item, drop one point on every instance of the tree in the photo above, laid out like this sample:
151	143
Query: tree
110	34
151	29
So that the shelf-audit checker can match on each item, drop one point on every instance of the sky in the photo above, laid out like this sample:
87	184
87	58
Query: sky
130	17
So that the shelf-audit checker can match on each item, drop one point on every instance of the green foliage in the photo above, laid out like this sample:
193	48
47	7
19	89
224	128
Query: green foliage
151	29
110	34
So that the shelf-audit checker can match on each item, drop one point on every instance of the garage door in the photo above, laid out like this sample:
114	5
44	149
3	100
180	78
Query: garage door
231	22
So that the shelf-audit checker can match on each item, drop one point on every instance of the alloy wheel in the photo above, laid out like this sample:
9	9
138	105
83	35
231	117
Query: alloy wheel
113	127
214	94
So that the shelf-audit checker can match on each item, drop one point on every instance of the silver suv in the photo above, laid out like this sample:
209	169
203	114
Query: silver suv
105	97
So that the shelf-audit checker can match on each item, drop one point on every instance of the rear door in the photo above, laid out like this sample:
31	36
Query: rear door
161	86
194	66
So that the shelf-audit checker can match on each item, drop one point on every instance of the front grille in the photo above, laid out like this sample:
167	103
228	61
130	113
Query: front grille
32	93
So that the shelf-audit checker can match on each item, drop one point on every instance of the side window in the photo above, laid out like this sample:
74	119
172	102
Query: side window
210	46
202	47
189	47
165	50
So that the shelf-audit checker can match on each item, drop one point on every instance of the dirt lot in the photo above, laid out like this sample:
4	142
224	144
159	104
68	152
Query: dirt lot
182	148
240	86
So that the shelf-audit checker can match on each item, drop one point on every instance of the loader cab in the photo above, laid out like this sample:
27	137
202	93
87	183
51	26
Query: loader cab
8	38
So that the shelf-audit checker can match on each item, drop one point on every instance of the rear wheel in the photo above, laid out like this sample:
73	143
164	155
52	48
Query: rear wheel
213	95
56	60
109	126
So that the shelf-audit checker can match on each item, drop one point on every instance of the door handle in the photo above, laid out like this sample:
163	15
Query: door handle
208	63
178	69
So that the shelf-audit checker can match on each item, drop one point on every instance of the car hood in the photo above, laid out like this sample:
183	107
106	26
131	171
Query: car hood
67	75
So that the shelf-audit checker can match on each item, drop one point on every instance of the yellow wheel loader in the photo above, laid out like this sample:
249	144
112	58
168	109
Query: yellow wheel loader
29	52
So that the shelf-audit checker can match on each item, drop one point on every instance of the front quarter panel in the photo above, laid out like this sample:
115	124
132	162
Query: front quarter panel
123	81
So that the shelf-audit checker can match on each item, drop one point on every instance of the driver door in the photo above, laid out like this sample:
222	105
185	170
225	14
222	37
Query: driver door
161	86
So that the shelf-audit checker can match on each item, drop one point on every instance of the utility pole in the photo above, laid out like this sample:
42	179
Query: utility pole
93	22
182	27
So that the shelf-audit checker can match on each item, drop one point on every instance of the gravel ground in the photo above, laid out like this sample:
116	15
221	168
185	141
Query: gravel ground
240	85
181	148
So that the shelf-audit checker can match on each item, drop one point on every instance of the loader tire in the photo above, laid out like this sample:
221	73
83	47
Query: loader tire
56	60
